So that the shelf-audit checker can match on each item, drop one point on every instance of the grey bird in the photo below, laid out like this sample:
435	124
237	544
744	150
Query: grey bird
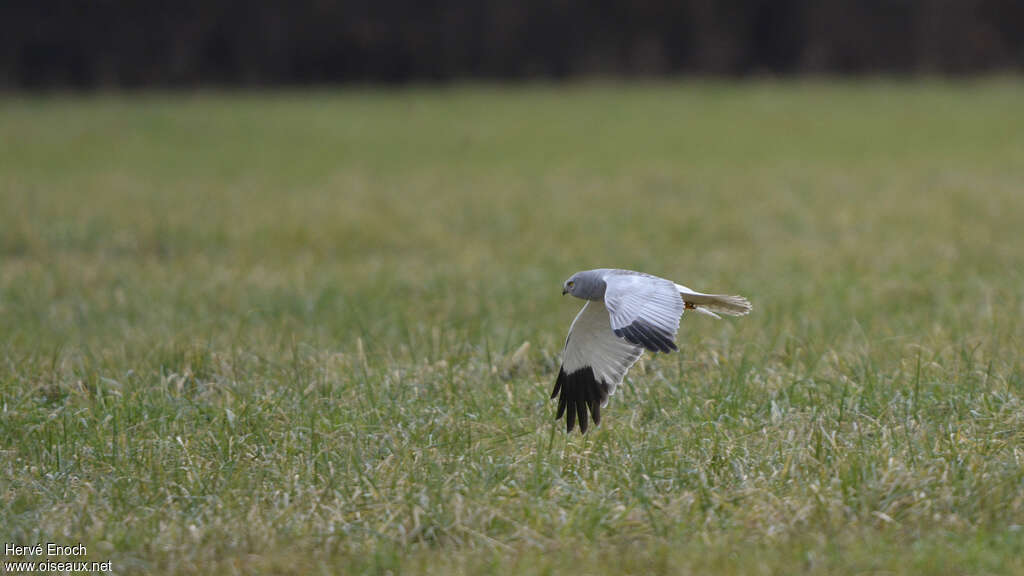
625	313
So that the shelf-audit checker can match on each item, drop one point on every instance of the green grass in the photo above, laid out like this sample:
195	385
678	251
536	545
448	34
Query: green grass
277	332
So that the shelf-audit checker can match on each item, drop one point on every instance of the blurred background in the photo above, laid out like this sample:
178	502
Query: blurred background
123	43
280	284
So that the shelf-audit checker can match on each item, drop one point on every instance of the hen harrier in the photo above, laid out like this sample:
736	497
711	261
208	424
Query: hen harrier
625	313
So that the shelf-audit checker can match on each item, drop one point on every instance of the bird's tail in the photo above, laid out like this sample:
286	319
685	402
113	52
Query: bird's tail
715	304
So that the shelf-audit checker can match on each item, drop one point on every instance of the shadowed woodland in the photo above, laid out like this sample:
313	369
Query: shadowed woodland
262	42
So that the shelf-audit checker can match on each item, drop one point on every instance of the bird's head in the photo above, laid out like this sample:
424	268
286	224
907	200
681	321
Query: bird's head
587	285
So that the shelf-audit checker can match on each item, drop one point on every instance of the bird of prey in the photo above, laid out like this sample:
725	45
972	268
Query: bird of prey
625	313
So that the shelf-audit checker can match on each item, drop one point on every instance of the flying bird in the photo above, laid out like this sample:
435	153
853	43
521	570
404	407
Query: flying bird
625	313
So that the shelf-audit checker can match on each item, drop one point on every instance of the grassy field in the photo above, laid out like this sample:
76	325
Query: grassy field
316	332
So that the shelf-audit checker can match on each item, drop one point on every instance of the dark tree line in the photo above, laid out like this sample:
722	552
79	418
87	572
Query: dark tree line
89	43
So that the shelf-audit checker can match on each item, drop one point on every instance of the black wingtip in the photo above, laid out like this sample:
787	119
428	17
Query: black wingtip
577	394
647	335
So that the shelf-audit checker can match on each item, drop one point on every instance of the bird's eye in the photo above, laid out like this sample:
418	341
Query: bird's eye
571	282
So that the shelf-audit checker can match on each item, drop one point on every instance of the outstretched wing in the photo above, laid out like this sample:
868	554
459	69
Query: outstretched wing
644	309
594	363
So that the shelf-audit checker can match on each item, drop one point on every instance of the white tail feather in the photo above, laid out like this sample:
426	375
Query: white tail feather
712	303
706	312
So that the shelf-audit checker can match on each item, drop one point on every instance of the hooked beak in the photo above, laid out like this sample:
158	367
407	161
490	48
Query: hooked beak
564	291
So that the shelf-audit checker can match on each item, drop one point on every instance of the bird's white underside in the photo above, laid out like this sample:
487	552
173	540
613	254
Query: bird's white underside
591	343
